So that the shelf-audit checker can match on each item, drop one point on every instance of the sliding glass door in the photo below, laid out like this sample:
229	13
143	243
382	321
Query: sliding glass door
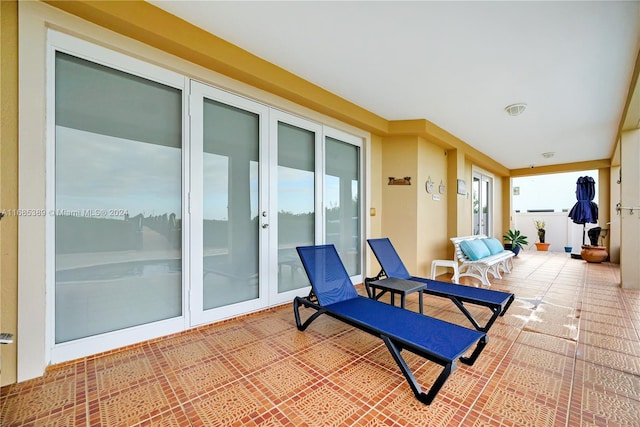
229	212
296	143
116	205
482	199
176	204
342	200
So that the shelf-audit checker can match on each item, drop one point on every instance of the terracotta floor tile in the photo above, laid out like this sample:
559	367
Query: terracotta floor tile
548	342
402	407
235	403
254	356
628	333
323	404
565	329
565	354
607	319
375	418
175	417
610	358
195	380
284	379
327	358
131	406
512	409
40	403
359	342
604	396
184	354
609	342
273	418
367	381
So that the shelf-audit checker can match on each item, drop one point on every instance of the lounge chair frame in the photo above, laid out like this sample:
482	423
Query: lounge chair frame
496	301
396	340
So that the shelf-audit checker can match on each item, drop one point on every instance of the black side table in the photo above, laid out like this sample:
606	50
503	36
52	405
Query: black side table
395	286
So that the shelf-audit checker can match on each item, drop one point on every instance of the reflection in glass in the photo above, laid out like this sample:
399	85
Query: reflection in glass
296	202
481	189
118	226
230	205
342	202
485	207
475	189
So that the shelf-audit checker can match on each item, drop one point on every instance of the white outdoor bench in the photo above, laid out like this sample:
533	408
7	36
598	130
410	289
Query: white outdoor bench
480	268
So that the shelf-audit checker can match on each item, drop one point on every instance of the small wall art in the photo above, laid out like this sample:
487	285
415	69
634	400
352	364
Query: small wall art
400	181
428	186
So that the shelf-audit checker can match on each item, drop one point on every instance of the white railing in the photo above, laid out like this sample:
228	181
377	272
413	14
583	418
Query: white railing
560	230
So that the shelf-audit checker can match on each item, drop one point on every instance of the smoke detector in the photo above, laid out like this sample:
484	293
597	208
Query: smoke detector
515	109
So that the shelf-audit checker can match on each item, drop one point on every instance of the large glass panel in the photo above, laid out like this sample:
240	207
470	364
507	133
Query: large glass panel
477	216
481	189
296	202
485	206
118	223
342	201
230	205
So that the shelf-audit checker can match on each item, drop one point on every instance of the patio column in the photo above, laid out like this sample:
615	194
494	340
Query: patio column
629	220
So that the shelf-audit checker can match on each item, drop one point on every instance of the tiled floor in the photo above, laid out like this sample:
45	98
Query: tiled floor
566	353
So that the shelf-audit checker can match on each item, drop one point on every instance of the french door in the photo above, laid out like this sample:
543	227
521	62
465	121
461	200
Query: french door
482	203
178	204
295	170
228	204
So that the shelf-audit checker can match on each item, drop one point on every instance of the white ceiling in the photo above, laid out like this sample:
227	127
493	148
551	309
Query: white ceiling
456	64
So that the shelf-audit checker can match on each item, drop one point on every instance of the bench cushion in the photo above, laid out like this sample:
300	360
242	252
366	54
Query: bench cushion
474	249
494	245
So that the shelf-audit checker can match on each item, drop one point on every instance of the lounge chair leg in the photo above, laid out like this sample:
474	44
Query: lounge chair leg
423	397
371	293
473	321
479	347
506	307
296	312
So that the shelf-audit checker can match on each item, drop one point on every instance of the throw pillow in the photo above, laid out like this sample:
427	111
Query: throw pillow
474	249
494	245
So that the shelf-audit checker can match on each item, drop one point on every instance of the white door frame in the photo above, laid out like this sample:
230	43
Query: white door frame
198	316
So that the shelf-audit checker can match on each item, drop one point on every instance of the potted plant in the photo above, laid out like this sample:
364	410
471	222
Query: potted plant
541	245
514	241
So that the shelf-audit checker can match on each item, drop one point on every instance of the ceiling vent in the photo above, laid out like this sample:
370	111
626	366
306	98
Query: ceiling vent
515	109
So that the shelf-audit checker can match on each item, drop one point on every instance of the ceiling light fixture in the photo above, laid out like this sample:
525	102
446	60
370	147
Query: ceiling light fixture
515	109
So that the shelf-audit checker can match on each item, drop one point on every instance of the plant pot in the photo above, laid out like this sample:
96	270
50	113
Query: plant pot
514	249
594	253
568	249
542	247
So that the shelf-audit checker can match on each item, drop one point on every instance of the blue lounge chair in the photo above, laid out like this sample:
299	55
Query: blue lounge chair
436	340
392	266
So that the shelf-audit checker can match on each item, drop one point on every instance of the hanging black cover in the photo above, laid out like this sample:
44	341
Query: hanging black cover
585	210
